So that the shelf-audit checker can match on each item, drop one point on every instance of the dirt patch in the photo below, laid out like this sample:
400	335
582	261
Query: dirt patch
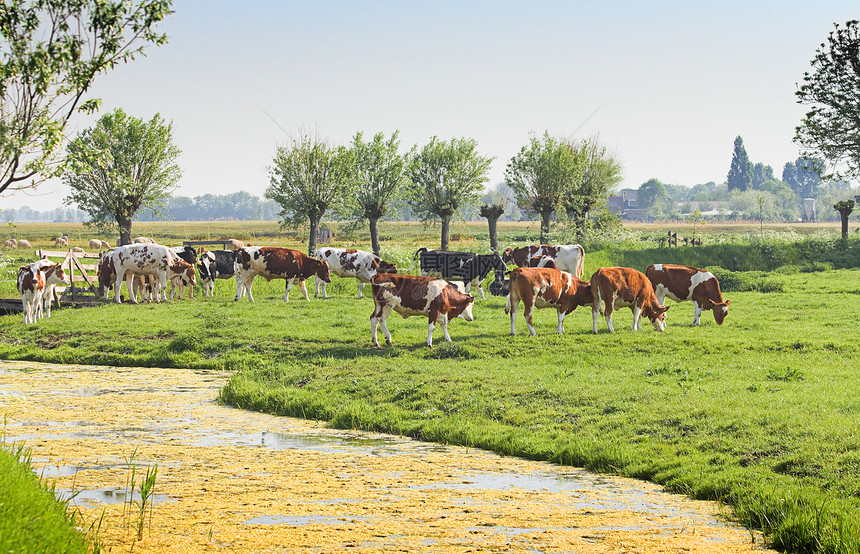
240	481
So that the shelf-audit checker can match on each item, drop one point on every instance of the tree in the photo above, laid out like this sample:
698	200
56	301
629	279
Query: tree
542	173
493	212
309	177
741	171
445	175
652	196
802	176
50	54
844	207
601	173
379	173
119	166
760	174
830	130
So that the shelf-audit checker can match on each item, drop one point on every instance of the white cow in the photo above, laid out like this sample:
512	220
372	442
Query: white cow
148	259
351	263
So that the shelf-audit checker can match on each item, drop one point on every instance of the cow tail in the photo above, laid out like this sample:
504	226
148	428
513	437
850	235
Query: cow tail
415	258
580	266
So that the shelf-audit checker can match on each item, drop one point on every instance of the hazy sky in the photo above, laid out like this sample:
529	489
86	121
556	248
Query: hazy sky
666	85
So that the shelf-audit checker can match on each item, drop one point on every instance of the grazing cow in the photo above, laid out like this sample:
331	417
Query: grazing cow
35	280
352	263
541	287
468	267
24	244
148	259
568	257
416	295
144	240
11	243
276	263
617	287
215	264
681	282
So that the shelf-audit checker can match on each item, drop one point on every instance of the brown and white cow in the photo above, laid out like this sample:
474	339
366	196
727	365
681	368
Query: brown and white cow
617	287
272	262
541	287
132	260
36	282
681	282
541	261
568	257
352	263
410	295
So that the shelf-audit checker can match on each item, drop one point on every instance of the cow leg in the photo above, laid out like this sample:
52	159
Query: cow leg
132	290
374	323
317	282
304	288
160	285
561	315
27	308
209	287
431	325
443	323
287	290
47	297
637	317
511	307
383	319
528	313
361	289
698	312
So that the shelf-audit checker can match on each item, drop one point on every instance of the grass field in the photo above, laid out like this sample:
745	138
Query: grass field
761	413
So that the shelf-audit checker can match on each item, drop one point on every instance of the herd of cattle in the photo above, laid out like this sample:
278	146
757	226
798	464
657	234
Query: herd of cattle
546	276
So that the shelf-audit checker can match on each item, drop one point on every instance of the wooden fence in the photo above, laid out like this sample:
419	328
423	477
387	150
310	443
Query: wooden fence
76	266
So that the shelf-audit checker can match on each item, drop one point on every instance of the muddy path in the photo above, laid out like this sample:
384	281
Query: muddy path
236	481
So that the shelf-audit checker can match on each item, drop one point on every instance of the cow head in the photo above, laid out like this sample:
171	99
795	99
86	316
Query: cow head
467	311
507	255
381	266
59	274
185	270
322	271
721	310
657	315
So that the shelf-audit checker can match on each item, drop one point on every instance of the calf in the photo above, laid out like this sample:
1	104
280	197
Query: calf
188	254
352	263
681	282
618	287
410	295
568	257
215	264
545	288
35	280
276	263
469	267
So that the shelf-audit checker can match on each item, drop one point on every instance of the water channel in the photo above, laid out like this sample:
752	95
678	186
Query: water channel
237	481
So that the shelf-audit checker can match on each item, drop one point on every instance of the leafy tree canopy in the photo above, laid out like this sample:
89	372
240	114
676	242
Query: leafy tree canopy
830	129
119	166
50	53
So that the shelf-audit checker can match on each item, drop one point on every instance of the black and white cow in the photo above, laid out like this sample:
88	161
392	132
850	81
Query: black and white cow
215	264
469	267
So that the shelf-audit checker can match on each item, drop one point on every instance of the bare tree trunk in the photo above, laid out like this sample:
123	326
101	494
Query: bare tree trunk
374	235
312	238
545	218
493	213
446	229
844	213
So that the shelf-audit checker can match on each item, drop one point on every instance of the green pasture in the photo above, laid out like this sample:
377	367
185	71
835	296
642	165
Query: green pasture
762	413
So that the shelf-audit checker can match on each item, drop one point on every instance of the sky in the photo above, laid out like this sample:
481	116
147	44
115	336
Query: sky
665	85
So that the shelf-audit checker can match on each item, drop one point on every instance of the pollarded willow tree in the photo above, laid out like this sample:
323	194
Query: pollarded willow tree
542	173
831	128
309	178
379	173
602	172
119	166
50	54
445	176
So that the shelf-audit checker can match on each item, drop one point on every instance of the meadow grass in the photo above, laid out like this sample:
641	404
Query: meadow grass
31	517
760	413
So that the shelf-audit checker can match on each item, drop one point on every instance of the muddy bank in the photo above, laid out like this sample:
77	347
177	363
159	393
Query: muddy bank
240	481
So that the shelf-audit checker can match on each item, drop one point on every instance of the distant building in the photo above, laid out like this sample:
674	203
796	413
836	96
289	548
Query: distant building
624	205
